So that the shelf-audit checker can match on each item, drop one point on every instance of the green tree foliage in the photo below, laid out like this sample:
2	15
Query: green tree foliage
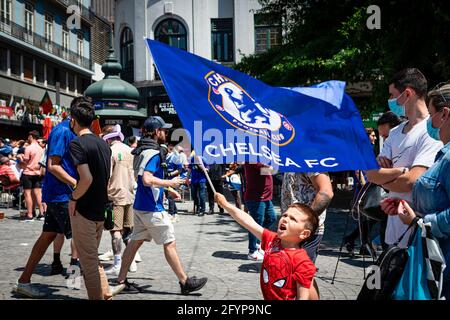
329	39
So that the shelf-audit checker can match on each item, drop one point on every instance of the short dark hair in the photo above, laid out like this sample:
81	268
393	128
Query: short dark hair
82	110
369	131
107	129
132	140
312	222
3	159
35	134
389	118
413	78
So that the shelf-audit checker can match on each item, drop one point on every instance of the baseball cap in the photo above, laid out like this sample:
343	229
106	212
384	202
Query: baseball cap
156	122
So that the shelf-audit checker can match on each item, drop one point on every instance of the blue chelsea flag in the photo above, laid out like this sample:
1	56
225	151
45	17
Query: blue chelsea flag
232	117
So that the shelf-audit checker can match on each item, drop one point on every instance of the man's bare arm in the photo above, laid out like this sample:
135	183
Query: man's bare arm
405	182
384	175
322	184
55	168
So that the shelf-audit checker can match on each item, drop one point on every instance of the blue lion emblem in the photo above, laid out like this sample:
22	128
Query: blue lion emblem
248	109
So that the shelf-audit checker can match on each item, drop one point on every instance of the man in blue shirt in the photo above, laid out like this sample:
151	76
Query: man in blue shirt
151	221
59	181
198	185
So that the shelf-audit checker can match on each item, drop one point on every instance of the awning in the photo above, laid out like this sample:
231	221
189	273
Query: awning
120	113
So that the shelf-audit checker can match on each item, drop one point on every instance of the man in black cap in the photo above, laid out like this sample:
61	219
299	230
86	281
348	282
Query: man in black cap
151	221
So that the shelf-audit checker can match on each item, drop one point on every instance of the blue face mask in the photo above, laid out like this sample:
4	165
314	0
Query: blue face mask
433	132
395	107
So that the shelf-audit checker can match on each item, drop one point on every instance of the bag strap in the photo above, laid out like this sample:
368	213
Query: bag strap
411	237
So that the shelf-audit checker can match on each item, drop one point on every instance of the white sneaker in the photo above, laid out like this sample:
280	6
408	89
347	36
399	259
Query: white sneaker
174	218
115	290
107	256
26	289
137	257
133	267
113	271
256	256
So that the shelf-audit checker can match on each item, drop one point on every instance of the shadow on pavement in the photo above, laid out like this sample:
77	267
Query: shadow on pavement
233	255
250	267
41	270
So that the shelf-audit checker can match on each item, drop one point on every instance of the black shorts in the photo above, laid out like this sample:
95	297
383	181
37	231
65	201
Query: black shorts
31	182
57	219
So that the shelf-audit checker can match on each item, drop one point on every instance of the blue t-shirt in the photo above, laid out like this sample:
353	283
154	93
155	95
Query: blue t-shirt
150	199
173	166
53	190
197	175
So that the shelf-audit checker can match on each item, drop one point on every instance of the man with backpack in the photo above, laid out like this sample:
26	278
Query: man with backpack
151	221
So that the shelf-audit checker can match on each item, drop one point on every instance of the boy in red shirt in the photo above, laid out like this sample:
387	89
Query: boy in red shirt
287	272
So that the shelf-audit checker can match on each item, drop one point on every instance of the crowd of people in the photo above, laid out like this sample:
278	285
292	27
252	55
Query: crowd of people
134	180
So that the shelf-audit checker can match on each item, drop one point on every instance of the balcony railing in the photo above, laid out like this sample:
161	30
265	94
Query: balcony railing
40	42
86	13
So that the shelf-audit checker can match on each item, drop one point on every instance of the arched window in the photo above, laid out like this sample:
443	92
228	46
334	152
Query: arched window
172	32
127	55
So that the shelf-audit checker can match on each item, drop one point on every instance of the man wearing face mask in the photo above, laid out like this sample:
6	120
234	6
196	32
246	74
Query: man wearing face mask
431	192
151	221
409	151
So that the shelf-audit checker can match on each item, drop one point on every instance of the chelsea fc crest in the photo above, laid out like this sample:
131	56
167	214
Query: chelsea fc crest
243	112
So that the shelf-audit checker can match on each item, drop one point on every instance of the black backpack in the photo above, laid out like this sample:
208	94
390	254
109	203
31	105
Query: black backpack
391	265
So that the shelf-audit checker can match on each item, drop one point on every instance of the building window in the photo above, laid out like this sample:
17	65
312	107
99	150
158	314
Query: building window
29	18
127	55
71	82
15	63
65	40
80	44
222	39
5	11
51	75
173	33
3	59
267	33
85	83
62	79
40	75
48	28
28	67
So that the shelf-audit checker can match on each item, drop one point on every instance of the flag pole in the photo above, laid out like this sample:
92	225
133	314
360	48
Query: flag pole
206	174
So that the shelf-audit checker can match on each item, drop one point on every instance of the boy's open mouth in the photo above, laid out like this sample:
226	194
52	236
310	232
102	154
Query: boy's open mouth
282	227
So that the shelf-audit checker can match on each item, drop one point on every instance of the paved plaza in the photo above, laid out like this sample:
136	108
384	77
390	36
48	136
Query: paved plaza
213	246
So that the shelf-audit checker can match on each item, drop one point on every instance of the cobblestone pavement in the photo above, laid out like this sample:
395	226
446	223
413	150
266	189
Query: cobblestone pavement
213	246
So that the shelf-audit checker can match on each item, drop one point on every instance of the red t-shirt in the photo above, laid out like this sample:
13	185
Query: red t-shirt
282	268
258	187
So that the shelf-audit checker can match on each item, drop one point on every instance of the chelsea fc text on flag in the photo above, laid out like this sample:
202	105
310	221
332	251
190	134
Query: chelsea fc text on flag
232	117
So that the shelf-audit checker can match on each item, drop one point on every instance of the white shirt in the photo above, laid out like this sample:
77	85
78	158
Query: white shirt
416	148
